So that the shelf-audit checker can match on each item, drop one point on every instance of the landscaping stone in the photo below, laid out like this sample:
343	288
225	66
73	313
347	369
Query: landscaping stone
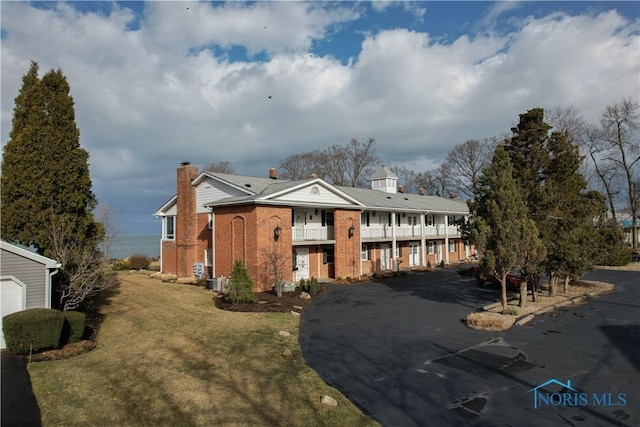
295	313
305	295
328	401
262	302
287	354
284	334
297	307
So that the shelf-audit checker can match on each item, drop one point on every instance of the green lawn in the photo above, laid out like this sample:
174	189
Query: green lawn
167	356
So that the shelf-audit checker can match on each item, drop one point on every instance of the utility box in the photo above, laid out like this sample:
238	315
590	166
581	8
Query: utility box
221	284
288	287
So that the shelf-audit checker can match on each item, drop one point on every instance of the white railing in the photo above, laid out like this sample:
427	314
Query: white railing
301	234
375	233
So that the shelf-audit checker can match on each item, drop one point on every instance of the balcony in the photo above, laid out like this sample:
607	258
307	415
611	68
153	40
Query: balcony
309	234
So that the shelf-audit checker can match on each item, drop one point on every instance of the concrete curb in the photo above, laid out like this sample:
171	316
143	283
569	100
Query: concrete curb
574	300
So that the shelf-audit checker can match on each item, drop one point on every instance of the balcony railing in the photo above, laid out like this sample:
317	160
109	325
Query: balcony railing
301	234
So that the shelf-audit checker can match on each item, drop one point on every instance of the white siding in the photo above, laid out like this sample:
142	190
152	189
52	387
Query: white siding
31	273
314	194
210	190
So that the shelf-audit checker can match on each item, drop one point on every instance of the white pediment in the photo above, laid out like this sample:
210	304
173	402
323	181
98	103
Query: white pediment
316	192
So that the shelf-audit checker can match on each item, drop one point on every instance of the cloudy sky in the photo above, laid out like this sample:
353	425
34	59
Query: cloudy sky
158	83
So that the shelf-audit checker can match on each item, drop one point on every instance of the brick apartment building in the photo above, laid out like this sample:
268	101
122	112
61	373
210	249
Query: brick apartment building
306	228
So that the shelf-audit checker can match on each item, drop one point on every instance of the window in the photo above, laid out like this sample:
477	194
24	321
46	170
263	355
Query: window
168	227
451	220
452	245
208	257
429	220
327	255
430	248
327	218
412	220
364	218
364	253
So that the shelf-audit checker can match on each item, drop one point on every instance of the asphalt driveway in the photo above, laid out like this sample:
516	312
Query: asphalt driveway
399	350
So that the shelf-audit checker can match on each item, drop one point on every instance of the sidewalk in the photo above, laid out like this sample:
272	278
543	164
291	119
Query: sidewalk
19	405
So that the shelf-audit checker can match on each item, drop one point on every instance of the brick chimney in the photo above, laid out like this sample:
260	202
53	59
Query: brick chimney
186	222
313	176
421	191
400	189
273	173
452	195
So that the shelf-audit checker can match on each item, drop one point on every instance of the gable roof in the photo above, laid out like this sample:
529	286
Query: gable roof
258	190
25	253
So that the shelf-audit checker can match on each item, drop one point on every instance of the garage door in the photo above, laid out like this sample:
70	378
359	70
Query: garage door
13	298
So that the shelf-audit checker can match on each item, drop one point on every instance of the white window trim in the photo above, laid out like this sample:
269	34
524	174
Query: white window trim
165	222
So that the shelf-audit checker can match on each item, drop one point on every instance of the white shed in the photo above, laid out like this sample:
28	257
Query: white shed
25	280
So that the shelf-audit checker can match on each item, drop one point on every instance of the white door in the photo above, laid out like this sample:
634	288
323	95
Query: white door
302	263
385	253
414	260
14	298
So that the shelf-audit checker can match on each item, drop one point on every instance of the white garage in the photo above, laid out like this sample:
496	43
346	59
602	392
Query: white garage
25	280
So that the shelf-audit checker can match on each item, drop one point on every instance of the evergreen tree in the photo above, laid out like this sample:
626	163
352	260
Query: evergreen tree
240	284
502	231
529	157
45	172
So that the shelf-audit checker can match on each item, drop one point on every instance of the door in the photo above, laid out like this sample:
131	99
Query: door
14	299
385	256
414	260
302	263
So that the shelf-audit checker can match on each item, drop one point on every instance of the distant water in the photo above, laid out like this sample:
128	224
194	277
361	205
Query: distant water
126	245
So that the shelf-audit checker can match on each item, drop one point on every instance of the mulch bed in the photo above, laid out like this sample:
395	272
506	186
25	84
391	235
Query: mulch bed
268	302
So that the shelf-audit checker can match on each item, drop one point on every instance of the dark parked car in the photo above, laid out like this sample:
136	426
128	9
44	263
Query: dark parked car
513	279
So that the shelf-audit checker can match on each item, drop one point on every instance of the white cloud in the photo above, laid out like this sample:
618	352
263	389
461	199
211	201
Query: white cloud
149	99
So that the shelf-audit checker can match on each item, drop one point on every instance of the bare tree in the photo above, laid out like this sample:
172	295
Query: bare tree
220	167
84	272
275	264
406	177
465	163
301	166
567	120
615	149
361	159
334	164
107	216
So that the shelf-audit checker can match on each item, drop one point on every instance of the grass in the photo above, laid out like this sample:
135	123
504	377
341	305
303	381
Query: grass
167	356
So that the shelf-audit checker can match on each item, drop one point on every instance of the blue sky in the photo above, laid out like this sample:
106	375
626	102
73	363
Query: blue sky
158	83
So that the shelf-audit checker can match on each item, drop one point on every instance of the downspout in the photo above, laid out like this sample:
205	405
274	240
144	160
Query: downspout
213	245
423	240
360	238
48	288
446	239
394	263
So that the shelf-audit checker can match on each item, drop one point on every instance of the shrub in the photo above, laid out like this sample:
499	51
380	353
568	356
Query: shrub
33	330
349	279
73	327
122	264
240	284
314	286
429	264
139	261
304	285
442	264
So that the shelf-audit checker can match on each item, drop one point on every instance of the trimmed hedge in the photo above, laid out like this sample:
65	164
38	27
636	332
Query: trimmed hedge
73	328
33	330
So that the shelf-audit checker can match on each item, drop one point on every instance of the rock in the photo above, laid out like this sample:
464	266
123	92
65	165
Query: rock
295	313
262	302
284	334
328	401
287	354
297	307
305	295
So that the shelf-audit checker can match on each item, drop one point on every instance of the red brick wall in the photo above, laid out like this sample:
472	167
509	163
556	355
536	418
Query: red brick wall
246	233
347	249
186	222
168	255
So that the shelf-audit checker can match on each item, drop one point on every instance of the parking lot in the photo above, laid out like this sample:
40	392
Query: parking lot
399	349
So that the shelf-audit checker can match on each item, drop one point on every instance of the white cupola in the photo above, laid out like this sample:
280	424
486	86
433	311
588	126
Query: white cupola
384	180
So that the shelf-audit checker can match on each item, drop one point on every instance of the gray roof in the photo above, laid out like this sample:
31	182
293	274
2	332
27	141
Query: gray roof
383	172
369	198
374	199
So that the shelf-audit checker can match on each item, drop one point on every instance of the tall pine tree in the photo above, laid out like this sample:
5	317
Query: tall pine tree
502	231
45	173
